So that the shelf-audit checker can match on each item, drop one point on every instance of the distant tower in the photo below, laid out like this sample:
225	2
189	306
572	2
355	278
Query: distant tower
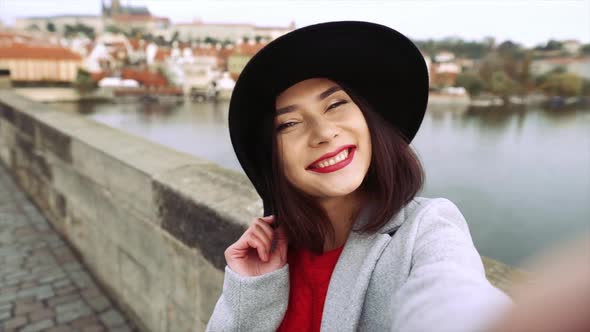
115	7
105	11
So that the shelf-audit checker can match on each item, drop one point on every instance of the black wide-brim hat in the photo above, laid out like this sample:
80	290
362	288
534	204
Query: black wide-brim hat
376	62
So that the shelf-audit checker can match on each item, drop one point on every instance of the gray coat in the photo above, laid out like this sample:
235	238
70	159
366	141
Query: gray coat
428	276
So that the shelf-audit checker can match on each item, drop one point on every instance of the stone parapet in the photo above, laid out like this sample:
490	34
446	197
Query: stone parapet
150	223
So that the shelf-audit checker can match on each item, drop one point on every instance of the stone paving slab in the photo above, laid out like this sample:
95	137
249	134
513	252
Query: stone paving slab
43	286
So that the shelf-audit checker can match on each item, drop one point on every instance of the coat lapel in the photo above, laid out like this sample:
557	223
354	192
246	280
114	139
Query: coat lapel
349	281
351	276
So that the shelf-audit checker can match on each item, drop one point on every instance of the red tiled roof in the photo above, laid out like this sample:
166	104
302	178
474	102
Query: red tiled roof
144	77
162	54
135	43
24	51
248	49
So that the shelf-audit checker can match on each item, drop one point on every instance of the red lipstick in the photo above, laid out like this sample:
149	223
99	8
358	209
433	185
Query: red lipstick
336	166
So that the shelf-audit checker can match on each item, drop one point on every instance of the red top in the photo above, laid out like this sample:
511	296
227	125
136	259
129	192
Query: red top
309	277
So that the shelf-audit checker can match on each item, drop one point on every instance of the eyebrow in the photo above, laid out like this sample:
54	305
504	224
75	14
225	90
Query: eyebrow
321	96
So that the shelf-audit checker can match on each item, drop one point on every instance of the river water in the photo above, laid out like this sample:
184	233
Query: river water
520	178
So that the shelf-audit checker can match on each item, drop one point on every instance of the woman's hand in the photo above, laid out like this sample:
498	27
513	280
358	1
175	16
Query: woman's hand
251	255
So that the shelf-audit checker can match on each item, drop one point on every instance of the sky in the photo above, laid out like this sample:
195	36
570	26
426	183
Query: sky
529	23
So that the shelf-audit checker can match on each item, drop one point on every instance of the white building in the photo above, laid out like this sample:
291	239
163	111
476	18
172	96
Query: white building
578	66
222	31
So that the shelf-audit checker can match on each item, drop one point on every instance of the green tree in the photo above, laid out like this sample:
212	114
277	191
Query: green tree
502	85
562	84
524	77
33	27
175	36
586	88
508	49
115	29
50	26
471	82
84	82
209	40
551	45
79	28
585	49
461	48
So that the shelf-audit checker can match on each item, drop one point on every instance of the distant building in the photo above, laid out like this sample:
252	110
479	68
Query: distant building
131	18
109	52
126	18
571	46
40	23
445	74
34	61
579	66
223	31
117	9
239	56
444	56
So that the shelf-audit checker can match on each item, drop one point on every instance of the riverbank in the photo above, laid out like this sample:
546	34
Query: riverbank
58	94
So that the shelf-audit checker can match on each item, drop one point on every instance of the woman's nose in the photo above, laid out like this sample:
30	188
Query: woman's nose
323	132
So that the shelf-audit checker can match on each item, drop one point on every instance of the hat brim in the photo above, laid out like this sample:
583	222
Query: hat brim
376	62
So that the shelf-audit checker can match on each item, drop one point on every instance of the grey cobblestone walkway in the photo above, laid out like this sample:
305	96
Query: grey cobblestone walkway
43	286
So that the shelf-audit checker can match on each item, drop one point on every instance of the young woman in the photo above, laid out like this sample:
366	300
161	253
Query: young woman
321	120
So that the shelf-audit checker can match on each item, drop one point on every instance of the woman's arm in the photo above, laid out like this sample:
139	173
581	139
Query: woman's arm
255	303
447	289
557	295
256	283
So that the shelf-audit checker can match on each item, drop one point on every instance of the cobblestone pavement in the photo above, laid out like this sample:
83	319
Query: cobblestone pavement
43	286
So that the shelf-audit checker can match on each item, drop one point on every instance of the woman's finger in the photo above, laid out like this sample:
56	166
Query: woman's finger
268	219
264	227
261	247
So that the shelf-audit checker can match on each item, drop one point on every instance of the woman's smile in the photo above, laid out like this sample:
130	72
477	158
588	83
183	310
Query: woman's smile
329	164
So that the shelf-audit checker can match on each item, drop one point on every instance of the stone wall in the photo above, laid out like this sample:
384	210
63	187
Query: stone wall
149	222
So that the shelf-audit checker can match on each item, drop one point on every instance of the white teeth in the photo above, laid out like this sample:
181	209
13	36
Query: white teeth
338	158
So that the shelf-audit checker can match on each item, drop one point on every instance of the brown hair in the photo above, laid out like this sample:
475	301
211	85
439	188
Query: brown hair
394	177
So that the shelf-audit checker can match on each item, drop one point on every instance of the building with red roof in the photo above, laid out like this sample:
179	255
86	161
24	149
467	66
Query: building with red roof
29	60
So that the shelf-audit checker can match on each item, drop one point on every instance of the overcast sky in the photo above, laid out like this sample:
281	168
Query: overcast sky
527	22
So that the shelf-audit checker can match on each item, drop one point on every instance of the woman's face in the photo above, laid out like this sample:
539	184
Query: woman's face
322	137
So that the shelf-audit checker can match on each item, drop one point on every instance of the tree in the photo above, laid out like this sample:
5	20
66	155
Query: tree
84	82
50	26
524	76
115	29
175	36
72	30
551	45
33	27
461	48
501	84
586	88
471	82
562	84
210	40
585	49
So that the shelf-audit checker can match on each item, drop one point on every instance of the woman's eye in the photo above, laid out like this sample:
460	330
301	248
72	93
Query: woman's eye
336	104
285	125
